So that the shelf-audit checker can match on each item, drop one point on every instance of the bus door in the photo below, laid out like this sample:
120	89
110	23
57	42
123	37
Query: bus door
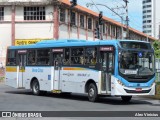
57	63
107	68
21	67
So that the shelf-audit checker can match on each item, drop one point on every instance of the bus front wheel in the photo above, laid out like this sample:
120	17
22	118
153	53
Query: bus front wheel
92	93
126	98
35	87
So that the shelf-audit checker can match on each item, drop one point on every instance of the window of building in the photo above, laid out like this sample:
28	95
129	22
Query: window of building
31	57
34	13
104	28
144	11
148	11
148	21
96	24
144	26
149	26
62	15
144	21
113	31
73	18
90	23
144	16
43	57
11	58
118	33
1	13
148	1
77	56
148	16
109	30
147	31
82	21
148	6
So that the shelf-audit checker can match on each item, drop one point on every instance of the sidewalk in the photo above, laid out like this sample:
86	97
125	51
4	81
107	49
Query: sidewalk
157	94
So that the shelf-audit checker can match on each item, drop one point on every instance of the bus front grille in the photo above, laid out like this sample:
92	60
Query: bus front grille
134	91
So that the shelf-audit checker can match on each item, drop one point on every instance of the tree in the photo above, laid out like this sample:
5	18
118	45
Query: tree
156	46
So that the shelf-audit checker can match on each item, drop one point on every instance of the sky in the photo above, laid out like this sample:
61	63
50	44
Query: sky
134	10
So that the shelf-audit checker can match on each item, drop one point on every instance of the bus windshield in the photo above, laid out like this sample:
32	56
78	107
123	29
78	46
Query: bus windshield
136	63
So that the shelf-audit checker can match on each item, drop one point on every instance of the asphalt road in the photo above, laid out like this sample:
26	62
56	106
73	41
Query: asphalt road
12	99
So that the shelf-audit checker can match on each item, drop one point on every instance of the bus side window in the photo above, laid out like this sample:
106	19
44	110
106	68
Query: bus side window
77	56
11	58
43	57
31	57
66	60
90	56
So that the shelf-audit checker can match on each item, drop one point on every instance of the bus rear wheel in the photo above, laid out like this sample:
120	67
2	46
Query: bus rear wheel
92	93
35	87
126	98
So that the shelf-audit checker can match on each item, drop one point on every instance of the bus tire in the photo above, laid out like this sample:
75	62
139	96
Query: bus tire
126	98
36	88
92	92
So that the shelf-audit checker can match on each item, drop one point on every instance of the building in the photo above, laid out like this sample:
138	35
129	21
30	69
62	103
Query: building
151	18
28	21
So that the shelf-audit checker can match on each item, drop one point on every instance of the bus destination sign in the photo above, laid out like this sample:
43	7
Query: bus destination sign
22	51
106	48
57	50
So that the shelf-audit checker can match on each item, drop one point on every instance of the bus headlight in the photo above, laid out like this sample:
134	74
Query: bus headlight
120	82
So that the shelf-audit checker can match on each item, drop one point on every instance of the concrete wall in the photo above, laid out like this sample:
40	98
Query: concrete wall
5	34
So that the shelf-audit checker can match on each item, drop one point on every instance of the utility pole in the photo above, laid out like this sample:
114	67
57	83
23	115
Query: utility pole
127	19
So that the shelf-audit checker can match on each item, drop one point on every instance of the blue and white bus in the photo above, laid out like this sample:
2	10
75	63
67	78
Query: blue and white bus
110	67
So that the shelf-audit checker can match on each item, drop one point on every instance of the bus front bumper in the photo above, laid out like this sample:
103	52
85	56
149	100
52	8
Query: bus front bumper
120	90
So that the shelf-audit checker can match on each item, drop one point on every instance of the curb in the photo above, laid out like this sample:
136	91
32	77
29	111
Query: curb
156	97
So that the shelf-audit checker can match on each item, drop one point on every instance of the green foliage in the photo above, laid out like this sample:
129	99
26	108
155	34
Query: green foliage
156	46
1	79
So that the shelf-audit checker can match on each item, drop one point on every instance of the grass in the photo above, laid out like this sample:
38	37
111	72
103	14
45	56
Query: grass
1	79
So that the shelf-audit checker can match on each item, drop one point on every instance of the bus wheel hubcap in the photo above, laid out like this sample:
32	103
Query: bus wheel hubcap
36	87
91	92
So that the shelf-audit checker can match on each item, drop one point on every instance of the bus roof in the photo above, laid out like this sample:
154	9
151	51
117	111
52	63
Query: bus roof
70	43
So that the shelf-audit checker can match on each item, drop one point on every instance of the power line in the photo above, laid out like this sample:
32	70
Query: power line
95	5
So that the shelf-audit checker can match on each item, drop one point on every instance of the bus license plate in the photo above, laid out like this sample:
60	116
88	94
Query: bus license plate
138	89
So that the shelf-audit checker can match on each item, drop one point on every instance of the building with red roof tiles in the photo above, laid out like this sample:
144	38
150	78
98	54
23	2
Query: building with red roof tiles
26	22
